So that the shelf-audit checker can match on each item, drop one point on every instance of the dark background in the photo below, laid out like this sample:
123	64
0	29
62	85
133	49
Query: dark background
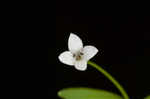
124	51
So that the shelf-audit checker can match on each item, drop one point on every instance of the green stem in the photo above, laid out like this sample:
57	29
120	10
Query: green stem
112	79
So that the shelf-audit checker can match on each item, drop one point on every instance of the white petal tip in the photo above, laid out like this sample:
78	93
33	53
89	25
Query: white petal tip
81	65
66	58
82	69
96	50
90	52
72	35
74	43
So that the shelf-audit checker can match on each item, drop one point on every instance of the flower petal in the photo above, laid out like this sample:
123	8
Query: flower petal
89	52
67	58
74	43
81	65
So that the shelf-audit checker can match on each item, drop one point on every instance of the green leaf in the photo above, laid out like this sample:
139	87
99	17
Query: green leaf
148	97
86	93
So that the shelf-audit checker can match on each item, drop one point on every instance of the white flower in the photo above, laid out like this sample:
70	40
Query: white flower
77	55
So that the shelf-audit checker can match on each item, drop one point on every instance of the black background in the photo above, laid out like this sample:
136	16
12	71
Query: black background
123	43
121	37
124	51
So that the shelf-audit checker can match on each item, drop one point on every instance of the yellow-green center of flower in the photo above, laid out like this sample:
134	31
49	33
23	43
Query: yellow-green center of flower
78	56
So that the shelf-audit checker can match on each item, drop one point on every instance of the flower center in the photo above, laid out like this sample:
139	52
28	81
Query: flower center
78	56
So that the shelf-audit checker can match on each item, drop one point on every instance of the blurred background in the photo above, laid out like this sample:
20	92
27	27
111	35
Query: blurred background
124	51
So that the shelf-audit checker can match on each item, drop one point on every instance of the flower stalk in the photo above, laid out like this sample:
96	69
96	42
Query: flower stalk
112	79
